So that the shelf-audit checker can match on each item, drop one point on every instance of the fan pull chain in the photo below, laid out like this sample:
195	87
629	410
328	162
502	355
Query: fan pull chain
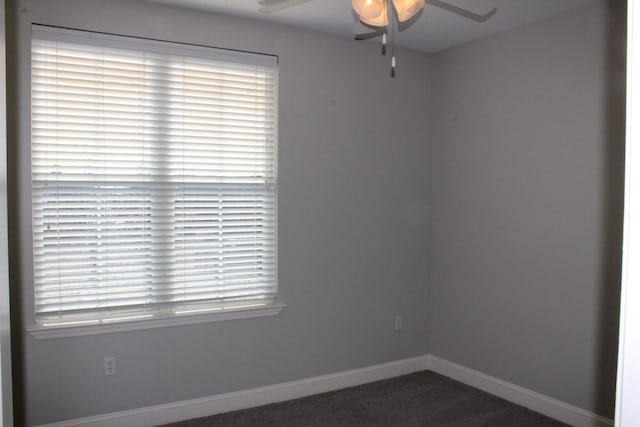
393	66
393	41
390	28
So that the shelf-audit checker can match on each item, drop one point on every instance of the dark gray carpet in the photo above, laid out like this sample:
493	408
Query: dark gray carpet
419	399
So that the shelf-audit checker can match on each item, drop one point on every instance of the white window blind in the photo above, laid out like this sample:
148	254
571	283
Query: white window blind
153	177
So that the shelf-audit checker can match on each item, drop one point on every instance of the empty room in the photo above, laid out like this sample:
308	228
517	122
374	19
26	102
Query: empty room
218	205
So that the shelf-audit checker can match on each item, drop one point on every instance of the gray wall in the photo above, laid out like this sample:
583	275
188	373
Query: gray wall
353	205
527	194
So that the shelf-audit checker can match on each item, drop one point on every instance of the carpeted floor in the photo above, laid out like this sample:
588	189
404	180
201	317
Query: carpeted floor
418	399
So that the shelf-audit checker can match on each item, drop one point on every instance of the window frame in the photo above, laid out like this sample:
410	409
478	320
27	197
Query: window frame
158	317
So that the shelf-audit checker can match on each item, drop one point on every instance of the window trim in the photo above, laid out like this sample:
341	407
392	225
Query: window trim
158	321
157	318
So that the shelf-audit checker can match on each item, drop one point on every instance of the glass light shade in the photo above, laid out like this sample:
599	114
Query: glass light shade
406	9
379	21
368	9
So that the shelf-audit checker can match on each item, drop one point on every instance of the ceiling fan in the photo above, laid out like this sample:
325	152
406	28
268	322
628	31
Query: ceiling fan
383	17
272	6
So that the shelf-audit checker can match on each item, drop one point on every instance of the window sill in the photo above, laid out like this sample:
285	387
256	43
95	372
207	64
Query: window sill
63	331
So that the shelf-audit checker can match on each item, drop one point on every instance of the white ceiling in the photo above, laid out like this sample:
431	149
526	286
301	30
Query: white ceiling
435	30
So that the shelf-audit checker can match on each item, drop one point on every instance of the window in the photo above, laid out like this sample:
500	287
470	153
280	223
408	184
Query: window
153	178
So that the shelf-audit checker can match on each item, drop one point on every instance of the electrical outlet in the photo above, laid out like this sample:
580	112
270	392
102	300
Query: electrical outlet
397	323
110	365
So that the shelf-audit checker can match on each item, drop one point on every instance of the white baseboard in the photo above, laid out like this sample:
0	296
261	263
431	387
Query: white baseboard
184	410
540	403
179	411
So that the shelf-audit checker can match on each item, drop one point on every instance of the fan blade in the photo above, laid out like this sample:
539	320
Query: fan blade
367	36
363	31
271	2
271	6
462	12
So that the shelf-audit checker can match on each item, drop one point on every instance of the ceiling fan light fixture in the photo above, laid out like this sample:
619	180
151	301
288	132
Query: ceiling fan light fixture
368	9
407	9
